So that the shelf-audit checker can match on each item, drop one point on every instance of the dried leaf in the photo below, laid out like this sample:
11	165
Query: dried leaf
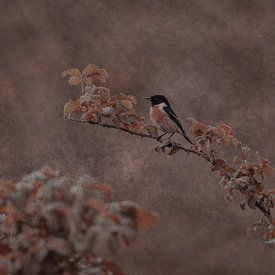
197	128
93	72
36	186
227	170
74	80
265	168
143	219
102	187
227	134
250	231
127	104
236	160
59	218
71	72
71	107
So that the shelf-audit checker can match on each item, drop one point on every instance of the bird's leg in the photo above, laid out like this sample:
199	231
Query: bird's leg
159	138
171	135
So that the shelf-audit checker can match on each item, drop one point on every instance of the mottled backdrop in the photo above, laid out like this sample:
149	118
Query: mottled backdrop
214	59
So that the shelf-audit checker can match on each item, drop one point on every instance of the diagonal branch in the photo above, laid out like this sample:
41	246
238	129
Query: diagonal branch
142	135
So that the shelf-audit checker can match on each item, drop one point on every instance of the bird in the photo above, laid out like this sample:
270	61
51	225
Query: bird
164	118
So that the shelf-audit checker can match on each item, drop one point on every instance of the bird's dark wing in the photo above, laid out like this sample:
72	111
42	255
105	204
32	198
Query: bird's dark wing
172	115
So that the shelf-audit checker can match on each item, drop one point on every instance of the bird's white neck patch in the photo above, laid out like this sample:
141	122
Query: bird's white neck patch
161	105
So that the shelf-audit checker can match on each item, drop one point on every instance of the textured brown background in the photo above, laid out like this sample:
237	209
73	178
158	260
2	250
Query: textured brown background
214	59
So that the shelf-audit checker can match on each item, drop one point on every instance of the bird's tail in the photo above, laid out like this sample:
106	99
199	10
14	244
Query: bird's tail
186	137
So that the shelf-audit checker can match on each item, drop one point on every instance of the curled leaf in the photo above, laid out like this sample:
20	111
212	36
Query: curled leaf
71	107
127	104
71	72
74	80
227	134
143	219
92	72
75	76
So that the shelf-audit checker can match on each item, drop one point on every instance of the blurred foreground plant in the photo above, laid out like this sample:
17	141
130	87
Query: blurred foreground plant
58	225
97	106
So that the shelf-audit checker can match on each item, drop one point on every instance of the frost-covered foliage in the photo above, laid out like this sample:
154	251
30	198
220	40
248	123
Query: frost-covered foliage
51	224
241	174
98	106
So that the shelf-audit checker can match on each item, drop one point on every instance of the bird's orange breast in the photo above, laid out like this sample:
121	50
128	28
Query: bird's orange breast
157	115
162	121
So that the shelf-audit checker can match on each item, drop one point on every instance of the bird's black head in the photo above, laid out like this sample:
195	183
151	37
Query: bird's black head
158	99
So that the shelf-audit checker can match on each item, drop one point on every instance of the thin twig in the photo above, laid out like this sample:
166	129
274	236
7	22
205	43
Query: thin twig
142	135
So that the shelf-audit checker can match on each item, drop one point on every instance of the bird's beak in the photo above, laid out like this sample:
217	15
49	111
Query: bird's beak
147	97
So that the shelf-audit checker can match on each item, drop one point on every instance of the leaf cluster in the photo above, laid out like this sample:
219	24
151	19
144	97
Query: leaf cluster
242	174
51	224
97	105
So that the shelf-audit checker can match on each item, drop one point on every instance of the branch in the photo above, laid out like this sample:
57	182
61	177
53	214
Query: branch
142	135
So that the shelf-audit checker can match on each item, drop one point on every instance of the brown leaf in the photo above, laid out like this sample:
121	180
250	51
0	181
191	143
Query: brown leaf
102	187
95	204
71	72
265	167
127	104
236	160
71	107
268	170
227	134
260	187
75	76
143	219
94	72
220	162
36	186
92	114
197	128
250	231
227	170
74	80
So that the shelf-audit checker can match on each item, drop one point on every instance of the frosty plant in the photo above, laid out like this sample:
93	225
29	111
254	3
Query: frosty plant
244	174
51	224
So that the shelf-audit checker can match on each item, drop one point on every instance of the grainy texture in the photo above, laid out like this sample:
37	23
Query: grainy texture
214	60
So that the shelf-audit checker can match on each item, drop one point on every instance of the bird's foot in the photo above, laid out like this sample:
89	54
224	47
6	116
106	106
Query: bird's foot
166	142
161	138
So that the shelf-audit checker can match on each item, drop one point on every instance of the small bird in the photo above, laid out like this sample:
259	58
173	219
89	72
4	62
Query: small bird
164	118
